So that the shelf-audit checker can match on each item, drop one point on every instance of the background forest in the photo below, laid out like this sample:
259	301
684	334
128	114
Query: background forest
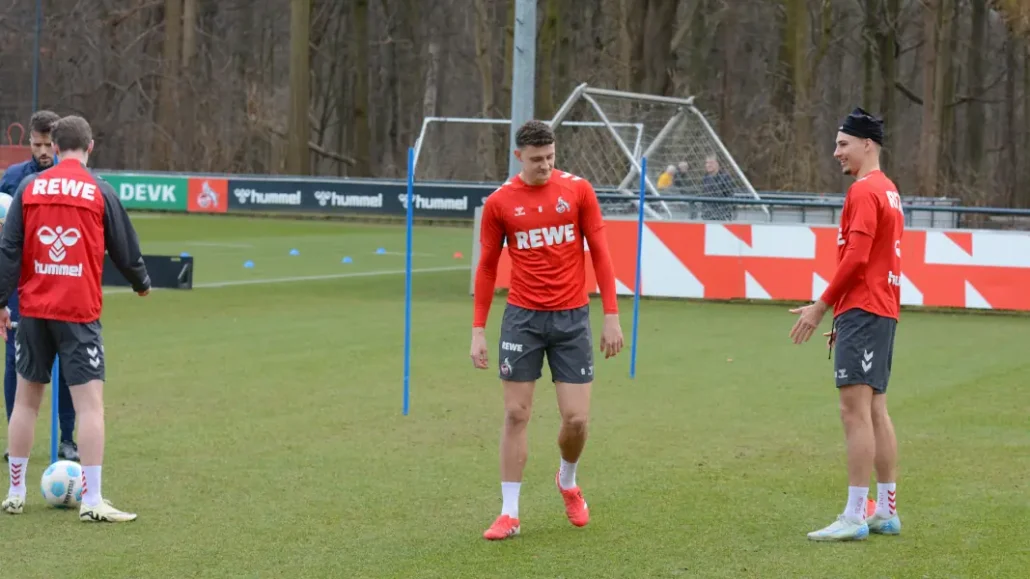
340	87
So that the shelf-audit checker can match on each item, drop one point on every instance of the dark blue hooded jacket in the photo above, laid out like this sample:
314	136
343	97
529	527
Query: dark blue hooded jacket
13	177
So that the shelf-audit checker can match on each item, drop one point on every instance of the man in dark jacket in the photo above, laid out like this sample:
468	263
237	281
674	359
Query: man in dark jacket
43	158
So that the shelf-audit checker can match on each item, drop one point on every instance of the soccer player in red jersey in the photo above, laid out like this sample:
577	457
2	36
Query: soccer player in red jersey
865	295
61	223
544	215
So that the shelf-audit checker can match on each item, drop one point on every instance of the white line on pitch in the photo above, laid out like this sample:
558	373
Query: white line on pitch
217	244
413	253
238	282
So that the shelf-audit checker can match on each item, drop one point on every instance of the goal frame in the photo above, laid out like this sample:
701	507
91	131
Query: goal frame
426	122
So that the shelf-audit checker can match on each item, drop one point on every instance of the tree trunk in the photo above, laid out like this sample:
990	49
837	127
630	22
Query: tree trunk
189	32
432	78
486	154
945	112
344	106
869	54
502	106
930	133
658	60
797	38
547	41
362	138
728	42
975	66
386	117
568	31
783	88
1011	150
164	135
1023	199
700	64
631	18
187	97
298	131
889	77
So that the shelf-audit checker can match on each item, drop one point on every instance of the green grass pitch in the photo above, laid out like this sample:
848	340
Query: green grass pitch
255	425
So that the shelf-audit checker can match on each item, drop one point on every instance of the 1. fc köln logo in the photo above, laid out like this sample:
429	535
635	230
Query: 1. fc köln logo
58	239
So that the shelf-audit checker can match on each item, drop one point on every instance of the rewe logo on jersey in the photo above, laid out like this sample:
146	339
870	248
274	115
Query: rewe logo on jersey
545	236
894	200
67	187
58	239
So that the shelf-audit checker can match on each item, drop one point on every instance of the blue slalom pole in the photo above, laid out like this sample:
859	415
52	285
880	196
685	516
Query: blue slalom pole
55	419
407	281
640	253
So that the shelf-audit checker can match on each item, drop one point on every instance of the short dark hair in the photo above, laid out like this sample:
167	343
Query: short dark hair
534	134
42	122
72	133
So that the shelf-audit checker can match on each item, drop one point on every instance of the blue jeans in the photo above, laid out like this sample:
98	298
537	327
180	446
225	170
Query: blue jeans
65	407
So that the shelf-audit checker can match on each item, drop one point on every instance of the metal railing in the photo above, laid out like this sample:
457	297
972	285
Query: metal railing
819	211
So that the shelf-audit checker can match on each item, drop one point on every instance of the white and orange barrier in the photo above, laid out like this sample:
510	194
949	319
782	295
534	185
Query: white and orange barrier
962	269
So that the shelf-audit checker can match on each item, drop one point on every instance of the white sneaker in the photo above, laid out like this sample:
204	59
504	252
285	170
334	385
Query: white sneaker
14	504
884	525
842	529
104	513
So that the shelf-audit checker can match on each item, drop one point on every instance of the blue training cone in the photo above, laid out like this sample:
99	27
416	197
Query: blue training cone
248	264
346	260
294	252
381	250
184	254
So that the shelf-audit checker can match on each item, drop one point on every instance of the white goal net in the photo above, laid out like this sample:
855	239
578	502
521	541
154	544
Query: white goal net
602	136
684	155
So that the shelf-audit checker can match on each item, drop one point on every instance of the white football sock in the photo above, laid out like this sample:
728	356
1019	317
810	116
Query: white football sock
567	474
510	496
885	505
91	485
18	468
858	497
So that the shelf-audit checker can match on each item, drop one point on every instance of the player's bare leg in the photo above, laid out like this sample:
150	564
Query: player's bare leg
20	434
856	416
574	407
885	521
518	407
88	399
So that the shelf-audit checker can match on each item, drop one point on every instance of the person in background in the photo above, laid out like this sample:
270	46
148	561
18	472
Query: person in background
43	158
716	183
665	179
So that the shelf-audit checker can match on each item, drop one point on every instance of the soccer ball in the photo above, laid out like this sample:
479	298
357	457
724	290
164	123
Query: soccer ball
5	206
62	484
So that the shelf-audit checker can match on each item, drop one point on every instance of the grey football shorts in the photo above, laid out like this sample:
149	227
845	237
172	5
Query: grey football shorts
79	346
564	335
864	349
